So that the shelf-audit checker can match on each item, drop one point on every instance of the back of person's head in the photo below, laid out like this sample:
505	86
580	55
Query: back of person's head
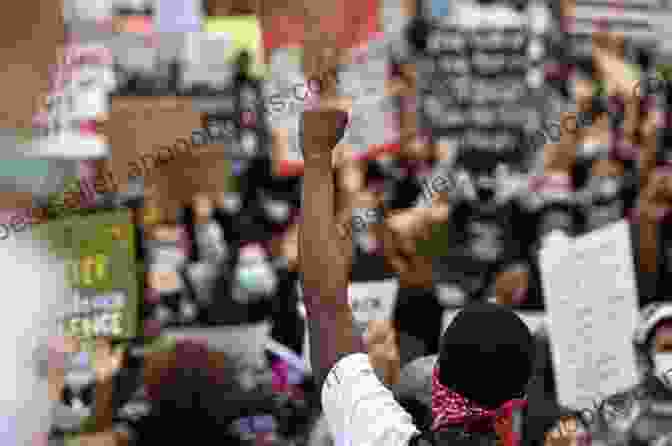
35	296
197	392
486	355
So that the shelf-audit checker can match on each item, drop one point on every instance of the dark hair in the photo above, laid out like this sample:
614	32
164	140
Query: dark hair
421	414
417	33
196	396
482	338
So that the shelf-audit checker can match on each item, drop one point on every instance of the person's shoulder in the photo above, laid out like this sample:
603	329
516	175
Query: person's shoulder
357	405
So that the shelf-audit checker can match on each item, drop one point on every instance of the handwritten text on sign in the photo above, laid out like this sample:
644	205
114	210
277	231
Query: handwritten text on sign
592	307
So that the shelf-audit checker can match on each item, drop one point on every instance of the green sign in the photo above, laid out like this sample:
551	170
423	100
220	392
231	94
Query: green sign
99	255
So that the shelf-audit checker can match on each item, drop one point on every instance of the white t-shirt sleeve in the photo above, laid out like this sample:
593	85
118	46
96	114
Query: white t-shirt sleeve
360	410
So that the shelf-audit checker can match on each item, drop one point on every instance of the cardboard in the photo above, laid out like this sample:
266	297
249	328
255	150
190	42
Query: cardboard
151	137
175	184
31	34
591	296
140	126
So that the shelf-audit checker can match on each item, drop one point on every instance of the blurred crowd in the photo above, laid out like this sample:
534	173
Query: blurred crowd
448	141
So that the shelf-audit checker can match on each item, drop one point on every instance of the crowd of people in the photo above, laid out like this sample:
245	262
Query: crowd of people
274	263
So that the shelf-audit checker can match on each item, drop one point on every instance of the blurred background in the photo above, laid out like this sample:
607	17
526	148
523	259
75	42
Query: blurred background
156	145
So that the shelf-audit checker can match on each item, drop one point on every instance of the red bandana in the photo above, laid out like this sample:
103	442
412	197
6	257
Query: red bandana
451	408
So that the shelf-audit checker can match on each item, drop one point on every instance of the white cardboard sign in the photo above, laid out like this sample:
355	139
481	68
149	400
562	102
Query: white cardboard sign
591	300
372	300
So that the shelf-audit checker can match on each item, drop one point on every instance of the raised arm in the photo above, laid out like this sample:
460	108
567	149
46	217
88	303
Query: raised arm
324	258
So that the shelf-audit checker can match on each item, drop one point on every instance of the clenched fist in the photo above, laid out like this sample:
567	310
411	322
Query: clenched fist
321	130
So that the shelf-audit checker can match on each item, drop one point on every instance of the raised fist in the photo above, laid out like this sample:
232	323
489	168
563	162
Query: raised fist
321	130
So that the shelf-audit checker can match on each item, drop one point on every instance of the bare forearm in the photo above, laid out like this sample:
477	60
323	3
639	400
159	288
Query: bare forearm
325	268
332	336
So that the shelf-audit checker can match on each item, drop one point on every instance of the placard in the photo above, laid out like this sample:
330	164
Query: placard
591	301
146	133
99	252
35	30
372	300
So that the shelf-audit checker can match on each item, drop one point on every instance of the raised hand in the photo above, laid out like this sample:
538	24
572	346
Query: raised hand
400	234
325	259
381	343
321	130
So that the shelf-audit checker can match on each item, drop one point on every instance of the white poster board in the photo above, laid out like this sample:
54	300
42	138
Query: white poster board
372	300
591	300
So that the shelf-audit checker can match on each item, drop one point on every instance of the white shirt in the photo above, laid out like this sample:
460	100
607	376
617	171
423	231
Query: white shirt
360	410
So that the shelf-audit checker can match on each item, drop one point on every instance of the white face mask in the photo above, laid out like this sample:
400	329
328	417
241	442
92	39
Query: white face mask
663	367
609	187
257	278
278	211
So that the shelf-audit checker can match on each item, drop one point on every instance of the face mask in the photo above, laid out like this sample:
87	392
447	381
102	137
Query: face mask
163	253
163	314
258	279
609	187
248	144
277	211
188	311
663	368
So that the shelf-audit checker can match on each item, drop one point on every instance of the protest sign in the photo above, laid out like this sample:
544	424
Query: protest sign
591	301
99	255
372	300
140	126
28	59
